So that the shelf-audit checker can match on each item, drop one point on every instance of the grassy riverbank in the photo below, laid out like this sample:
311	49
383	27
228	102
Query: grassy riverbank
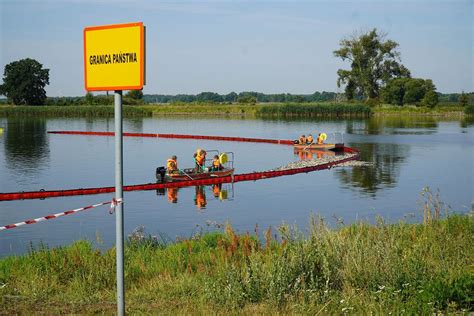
440	110
276	110
359	269
72	111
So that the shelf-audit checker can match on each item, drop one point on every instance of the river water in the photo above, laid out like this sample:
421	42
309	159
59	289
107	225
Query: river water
407	154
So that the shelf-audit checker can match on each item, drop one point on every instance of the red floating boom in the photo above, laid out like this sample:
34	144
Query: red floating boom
153	186
182	136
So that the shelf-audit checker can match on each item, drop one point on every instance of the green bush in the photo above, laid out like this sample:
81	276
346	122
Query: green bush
400	91
469	109
430	99
372	102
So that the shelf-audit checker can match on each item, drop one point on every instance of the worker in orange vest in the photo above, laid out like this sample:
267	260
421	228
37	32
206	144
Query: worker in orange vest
302	140
309	139
216	164
320	139
200	160
172	164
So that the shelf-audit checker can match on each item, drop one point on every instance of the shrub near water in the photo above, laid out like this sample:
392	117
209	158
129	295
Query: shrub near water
469	109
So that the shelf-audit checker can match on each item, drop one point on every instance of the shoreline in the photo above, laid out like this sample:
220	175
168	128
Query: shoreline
264	111
360	268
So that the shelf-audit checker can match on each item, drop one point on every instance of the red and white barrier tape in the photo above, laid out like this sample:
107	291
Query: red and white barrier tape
112	203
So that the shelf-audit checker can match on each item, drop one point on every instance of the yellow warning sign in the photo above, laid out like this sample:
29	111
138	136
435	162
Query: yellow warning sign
114	57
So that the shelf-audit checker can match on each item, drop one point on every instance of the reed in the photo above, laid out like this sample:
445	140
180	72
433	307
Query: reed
72	111
315	110
359	269
252	110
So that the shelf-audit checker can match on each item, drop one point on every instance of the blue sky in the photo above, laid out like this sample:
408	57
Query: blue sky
224	46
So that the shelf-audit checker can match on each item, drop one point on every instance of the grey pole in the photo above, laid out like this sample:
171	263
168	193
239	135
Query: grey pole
119	207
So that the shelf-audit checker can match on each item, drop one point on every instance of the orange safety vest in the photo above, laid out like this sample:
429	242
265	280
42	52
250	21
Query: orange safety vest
216	163
172	165
302	140
320	140
309	139
200	159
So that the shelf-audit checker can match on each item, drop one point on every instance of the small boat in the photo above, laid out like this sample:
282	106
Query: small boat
338	144
191	174
333	147
227	169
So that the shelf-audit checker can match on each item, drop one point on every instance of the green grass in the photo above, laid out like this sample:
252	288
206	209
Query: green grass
438	110
203	109
358	269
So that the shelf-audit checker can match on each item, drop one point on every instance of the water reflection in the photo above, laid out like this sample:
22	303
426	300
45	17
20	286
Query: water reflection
26	145
384	173
311	153
97	124
376	125
467	121
135	124
219	192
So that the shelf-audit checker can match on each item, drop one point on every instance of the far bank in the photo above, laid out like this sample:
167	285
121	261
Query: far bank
273	110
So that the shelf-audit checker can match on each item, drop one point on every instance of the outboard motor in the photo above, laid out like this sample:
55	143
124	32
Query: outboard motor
160	174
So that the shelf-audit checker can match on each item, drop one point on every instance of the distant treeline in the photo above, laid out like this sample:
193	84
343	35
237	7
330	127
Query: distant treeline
242	97
454	97
212	97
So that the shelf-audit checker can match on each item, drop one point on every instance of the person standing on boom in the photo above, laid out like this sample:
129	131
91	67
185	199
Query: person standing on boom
172	165
200	160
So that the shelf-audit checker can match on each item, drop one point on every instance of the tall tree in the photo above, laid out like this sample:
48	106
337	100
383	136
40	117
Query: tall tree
24	82
374	61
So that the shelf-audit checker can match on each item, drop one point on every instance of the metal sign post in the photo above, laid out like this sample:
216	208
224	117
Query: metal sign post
118	196
114	60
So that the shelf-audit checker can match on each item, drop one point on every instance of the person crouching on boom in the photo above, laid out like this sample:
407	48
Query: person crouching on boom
302	140
172	165
320	139
216	164
200	160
